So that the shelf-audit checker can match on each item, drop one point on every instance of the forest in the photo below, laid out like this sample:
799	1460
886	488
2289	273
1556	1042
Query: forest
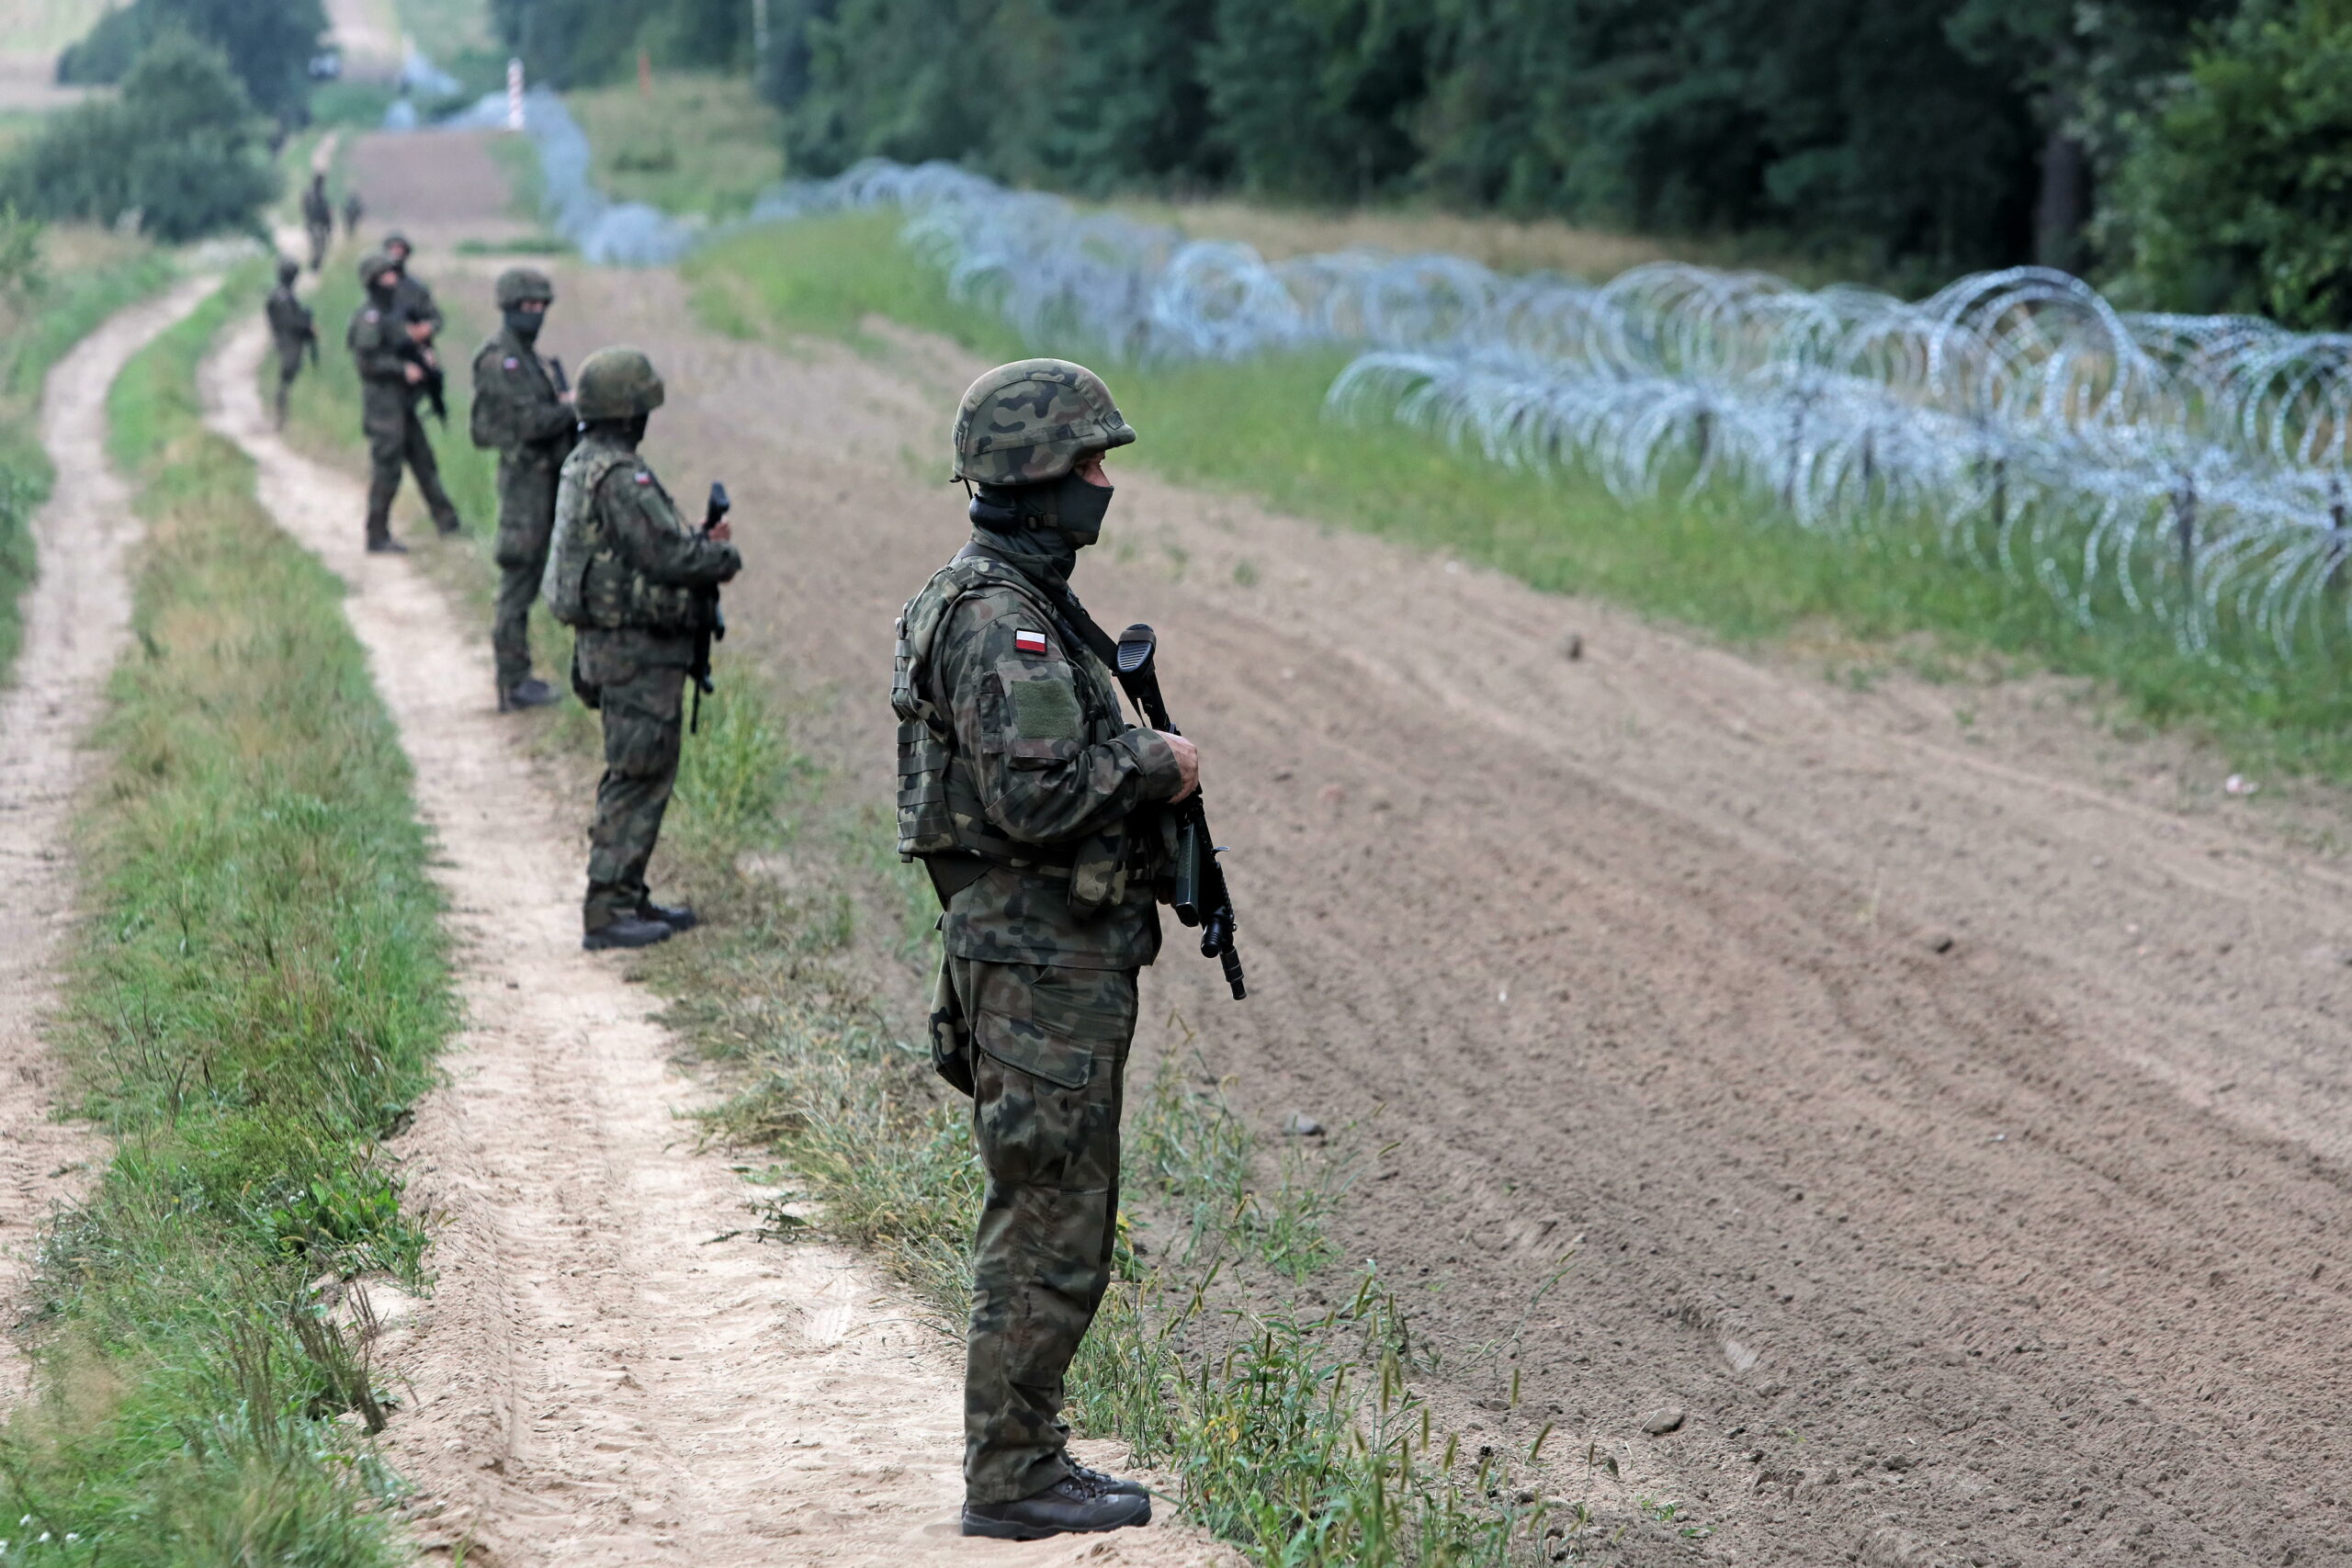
2186	153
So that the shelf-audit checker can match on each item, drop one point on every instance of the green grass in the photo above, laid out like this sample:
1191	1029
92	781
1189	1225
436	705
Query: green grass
1731	566
261	989
88	277
699	142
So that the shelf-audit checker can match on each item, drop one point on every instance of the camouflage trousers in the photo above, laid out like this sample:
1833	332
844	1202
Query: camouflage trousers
289	366
642	703
391	447
525	519
1047	1051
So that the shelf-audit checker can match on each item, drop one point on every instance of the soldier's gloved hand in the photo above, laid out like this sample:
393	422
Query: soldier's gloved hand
722	530
1188	765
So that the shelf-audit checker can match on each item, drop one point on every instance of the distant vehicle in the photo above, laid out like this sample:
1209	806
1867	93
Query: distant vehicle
326	67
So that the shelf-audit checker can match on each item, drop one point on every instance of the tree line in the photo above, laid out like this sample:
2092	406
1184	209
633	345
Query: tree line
2184	152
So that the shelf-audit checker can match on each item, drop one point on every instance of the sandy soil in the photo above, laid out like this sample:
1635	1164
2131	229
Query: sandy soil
613	1369
75	619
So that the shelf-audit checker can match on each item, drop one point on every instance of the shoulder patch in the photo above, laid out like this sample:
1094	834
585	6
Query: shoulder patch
369	315
1028	641
512	363
644	477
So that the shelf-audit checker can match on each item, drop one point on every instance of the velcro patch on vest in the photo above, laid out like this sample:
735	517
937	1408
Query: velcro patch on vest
1029	642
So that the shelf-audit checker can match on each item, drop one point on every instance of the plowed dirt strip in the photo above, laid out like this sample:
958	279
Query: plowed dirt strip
75	619
598	1379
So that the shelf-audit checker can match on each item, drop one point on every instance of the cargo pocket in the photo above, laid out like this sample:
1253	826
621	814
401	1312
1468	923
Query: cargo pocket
1023	1021
951	1036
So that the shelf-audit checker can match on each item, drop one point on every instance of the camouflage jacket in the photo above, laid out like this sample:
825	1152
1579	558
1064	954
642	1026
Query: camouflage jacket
516	410
374	339
316	213
290	319
1013	749
638	564
413	301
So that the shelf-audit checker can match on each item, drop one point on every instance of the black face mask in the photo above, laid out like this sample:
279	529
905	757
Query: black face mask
1077	508
525	324
377	293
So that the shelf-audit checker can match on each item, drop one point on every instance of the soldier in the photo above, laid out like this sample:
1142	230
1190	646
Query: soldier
519	410
291	329
412	299
1033	803
394	356
353	209
319	219
639	584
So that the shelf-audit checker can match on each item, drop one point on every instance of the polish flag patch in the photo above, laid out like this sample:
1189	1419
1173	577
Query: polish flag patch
1029	642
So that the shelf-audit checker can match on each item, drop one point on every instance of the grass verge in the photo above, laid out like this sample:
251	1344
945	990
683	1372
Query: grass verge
698	141
260	994
87	276
1726	564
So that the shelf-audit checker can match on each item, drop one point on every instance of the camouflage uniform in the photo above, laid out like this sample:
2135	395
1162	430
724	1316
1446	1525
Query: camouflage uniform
413	299
643	591
318	219
1030	797
387	413
353	209
291	330
517	413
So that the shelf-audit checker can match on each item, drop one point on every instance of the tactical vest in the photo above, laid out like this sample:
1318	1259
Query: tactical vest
587	582
939	799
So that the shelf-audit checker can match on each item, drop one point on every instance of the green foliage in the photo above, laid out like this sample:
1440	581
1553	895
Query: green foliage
2237	196
181	149
570	43
260	993
269	45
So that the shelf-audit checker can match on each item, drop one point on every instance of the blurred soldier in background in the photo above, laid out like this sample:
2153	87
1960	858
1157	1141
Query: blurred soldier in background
639	584
523	411
394	358
318	219
353	209
291	329
413	299
1032	803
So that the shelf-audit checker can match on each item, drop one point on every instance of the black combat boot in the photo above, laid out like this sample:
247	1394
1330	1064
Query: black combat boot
528	692
1116	1485
1072	1505
385	546
677	917
627	931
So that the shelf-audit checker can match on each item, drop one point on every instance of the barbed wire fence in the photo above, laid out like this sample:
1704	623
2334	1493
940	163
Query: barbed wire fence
2186	470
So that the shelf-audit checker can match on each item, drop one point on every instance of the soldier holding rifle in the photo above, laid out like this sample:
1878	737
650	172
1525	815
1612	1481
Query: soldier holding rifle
1047	822
291	330
396	366
523	410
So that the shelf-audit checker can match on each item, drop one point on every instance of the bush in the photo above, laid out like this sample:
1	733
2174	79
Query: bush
181	149
2234	200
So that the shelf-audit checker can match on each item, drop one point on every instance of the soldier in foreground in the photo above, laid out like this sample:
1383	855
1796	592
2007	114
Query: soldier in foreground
395	359
353	209
521	410
1034	805
291	329
318	220
642	586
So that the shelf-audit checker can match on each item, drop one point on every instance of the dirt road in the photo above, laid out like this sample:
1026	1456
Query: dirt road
604	1376
1940	1101
76	617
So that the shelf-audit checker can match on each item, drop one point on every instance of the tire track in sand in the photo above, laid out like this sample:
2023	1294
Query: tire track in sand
75	618
595	1381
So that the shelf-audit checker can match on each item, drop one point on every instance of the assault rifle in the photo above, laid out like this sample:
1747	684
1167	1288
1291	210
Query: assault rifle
714	628
1200	896
435	385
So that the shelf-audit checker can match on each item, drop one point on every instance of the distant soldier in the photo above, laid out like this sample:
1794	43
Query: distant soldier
353	209
395	358
318	218
639	584
412	299
291	329
1033	804
522	410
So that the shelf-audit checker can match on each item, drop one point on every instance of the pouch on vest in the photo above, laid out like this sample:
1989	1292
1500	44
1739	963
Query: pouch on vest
1098	877
951	1037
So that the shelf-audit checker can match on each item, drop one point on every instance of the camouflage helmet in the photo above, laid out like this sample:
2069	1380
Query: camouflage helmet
517	284
289	269
1030	422
617	383
373	266
396	238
